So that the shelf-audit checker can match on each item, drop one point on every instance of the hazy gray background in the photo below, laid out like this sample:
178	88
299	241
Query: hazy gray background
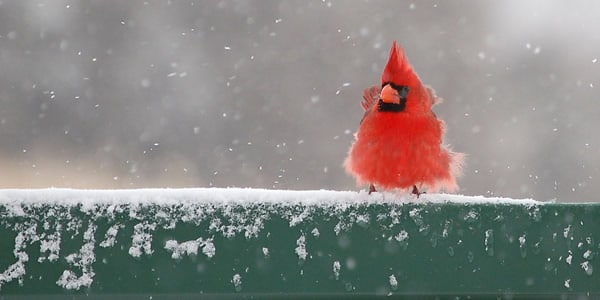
127	94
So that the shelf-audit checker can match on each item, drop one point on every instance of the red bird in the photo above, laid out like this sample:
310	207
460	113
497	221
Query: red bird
399	142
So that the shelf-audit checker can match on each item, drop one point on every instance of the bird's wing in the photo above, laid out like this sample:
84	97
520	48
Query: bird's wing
370	98
435	99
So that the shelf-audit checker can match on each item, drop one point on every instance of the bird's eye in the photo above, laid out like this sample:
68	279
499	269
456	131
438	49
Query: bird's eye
403	91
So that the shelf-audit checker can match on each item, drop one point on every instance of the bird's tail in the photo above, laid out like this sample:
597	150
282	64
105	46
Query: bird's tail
448	183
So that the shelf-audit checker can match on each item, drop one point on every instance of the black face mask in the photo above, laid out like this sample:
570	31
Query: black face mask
395	107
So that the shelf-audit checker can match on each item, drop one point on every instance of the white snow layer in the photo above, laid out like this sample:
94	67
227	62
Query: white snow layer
226	196
169	206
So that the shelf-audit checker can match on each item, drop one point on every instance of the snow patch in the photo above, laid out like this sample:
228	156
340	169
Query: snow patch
141	240
336	269
237	282
567	231
315	232
110	238
393	282
190	248
587	268
50	243
402	236
522	245
488	242
83	259
569	258
301	247
17	270
472	216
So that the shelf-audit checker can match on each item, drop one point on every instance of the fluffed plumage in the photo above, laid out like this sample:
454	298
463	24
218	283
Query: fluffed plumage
399	142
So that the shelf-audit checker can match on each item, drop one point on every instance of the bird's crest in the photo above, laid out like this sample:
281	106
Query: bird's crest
398	70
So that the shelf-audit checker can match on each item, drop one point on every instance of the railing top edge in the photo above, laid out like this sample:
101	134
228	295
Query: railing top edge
249	196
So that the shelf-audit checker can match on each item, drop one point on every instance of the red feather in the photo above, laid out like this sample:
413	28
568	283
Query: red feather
403	149
398	70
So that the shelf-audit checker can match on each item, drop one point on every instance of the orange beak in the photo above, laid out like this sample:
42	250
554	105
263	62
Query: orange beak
389	94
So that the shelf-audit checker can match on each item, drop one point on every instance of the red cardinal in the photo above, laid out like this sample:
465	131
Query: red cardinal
399	142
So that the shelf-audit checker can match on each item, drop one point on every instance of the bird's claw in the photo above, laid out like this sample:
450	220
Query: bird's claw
372	189
415	191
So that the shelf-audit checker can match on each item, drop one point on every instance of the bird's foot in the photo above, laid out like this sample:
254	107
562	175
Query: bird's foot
415	191
372	189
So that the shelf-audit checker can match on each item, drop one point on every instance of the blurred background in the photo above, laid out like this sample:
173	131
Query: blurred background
131	94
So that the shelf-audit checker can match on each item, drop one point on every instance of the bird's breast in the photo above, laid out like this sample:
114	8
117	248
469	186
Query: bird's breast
401	126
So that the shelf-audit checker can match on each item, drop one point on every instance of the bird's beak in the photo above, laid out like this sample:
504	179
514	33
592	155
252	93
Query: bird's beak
389	94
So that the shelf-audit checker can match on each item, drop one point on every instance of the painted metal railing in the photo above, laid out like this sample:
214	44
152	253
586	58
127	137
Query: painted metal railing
244	243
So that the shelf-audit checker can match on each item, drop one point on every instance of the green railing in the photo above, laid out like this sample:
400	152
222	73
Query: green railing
245	243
